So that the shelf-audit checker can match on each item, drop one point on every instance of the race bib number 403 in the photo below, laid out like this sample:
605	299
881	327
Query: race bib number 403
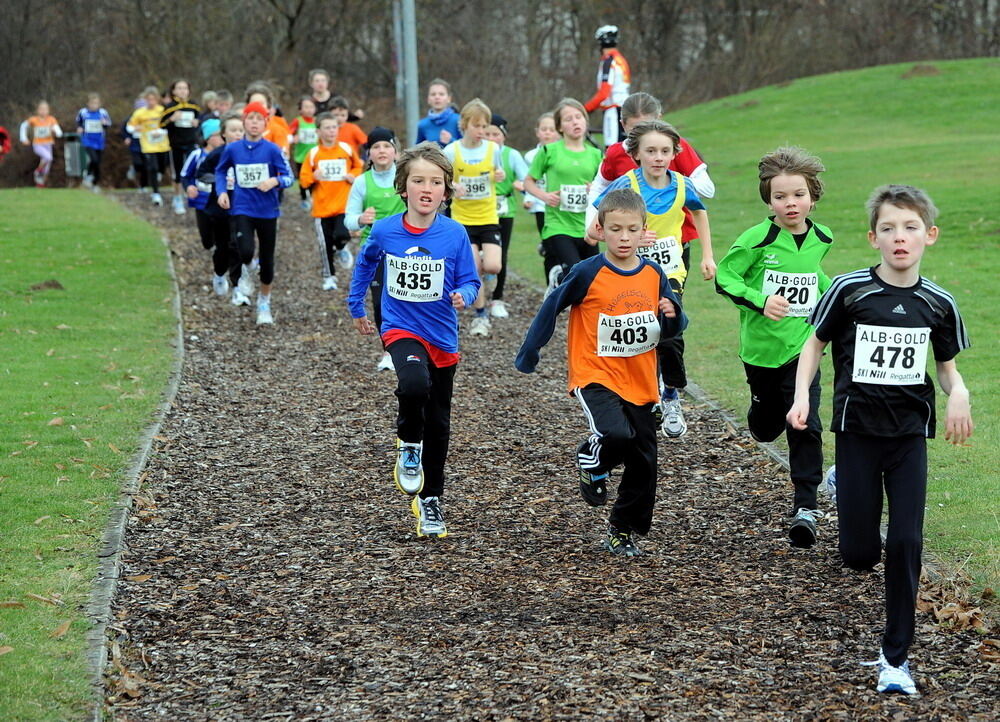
665	251
417	278
801	290
476	187
573	198
251	175
890	355
629	334
333	169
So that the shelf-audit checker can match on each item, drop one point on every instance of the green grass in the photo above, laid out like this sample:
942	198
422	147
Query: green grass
872	126
82	373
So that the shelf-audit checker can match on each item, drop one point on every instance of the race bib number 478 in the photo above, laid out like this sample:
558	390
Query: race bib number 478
416	278
629	334
890	355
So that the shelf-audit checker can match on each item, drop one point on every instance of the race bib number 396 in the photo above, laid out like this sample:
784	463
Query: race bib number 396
629	334
666	252
251	175
477	187
801	290
414	278
890	355
573	198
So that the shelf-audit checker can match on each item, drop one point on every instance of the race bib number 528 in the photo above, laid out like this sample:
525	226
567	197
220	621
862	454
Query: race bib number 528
419	279
890	355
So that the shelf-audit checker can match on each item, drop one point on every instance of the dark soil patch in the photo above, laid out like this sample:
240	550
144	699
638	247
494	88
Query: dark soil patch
920	71
275	572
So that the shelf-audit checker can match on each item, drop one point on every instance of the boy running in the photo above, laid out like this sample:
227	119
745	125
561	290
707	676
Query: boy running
881	321
622	304
773	274
92	122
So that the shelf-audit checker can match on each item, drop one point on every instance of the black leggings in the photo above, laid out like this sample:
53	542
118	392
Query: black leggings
506	228
242	245
376	288
94	163
864	464
332	235
214	232
670	351
139	168
178	155
621	433
155	164
567	251
424	392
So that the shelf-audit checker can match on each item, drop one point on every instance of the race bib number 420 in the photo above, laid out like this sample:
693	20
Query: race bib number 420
890	355
333	169
477	187
801	290
251	175
629	334
666	252
573	198
414	278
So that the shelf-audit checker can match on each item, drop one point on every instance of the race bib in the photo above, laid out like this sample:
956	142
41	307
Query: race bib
230	179
185	119
889	355
627	335
90	125
414	278
477	187
801	290
665	251
503	205
333	169
156	136
251	175
573	198
43	131
307	136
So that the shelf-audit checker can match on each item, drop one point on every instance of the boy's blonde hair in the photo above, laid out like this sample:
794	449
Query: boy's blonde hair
901	196
209	96
475	108
562	105
430	152
639	104
325	115
625	200
651	126
790	160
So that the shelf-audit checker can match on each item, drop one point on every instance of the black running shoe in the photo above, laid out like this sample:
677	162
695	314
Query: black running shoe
621	543
594	488
802	528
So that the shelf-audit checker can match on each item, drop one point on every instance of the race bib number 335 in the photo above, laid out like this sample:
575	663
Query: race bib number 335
629	334
416	278
666	252
890	355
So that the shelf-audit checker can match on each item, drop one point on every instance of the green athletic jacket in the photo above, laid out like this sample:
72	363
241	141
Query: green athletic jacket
768	254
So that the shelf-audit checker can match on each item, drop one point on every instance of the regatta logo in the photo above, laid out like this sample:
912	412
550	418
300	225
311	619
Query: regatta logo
771	259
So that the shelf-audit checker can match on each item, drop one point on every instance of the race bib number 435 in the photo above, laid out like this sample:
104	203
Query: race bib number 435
629	334
890	355
573	198
801	290
417	278
666	252
251	175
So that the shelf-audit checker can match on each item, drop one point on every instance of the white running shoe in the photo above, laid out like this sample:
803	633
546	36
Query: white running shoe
264	313
673	424
829	485
329	283
239	298
430	517
345	259
87	182
179	205
130	173
892	679
408	472
220	284
498	309
480	326
555	278
385	363
157	199
143	191
245	284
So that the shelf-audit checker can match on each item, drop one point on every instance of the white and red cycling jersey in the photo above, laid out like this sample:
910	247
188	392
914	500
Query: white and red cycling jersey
613	79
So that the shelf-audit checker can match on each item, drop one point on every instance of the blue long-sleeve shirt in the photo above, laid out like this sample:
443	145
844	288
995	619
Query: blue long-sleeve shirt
253	162
431	125
94	123
422	271
190	173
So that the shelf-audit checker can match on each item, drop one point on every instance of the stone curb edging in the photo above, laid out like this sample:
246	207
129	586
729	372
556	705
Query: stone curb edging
112	543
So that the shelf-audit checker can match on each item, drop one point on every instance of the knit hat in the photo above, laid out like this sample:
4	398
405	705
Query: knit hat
210	127
255	107
499	122
379	134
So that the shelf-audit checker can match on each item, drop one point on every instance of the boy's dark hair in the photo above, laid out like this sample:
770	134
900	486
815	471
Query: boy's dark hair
318	71
223	96
306	98
226	118
790	160
640	104
178	81
651	126
339	102
430	152
262	89
325	115
901	196
625	200
443	83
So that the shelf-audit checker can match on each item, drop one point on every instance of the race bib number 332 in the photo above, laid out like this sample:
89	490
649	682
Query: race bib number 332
629	334
415	278
890	355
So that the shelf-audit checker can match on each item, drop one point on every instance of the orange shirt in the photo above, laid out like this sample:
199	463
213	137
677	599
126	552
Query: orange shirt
352	135
277	132
44	130
329	197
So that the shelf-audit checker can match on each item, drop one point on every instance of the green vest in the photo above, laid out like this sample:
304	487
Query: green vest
505	188
385	201
300	150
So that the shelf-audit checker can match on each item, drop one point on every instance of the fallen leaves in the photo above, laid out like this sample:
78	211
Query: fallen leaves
61	630
57	421
139	578
53	600
5	649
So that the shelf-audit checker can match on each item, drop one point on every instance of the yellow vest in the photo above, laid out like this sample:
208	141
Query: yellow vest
479	205
667	248
152	138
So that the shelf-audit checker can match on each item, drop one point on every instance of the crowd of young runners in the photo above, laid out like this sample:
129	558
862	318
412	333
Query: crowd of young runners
432	225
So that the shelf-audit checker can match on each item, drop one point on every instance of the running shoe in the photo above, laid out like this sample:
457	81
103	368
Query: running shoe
254	264
264	316
245	284
143	191
130	174
385	363
220	284
179	205
157	199
673	424
329	283
621	543
87	182
594	488
498	309
305	205
409	471
802	528
345	259
430	517
829	485
480	326
555	278
239	298
892	679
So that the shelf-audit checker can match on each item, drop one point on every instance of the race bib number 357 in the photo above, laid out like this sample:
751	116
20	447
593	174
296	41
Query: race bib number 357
416	278
801	290
890	355
251	175
629	334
